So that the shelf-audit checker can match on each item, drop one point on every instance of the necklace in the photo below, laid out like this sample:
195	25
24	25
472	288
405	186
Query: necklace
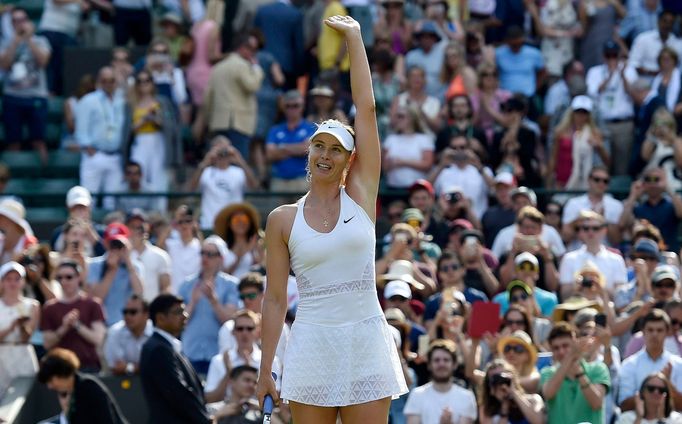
325	219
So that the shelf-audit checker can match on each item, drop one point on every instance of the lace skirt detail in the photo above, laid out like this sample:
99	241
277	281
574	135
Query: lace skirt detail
339	366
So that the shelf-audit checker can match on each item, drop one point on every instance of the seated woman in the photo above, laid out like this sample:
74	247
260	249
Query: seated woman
653	404
501	397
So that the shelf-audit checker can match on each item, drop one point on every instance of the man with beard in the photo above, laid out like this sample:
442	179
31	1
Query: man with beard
440	400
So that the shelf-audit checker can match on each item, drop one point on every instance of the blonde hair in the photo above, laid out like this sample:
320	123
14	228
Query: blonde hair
446	73
566	122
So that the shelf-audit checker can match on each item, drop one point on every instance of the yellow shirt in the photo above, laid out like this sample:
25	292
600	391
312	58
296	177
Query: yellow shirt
330	42
139	113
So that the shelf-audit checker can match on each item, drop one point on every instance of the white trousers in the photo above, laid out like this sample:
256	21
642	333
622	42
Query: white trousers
149	150
102	172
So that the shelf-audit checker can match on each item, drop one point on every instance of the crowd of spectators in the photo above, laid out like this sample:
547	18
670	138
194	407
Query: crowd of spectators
531	158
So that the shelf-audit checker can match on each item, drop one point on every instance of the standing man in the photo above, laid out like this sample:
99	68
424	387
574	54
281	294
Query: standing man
646	47
521	67
502	214
125	338
171	386
428	55
230	105
156	263
24	57
287	146
99	120
441	400
573	388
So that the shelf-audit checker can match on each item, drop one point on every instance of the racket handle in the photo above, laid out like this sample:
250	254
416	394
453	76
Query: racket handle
268	405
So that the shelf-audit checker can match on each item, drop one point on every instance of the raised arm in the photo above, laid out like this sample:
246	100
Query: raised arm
363	180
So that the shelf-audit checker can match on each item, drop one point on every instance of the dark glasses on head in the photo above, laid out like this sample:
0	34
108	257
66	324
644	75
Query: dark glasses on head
516	348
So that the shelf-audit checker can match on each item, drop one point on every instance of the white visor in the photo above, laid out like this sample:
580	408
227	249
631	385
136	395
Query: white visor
339	132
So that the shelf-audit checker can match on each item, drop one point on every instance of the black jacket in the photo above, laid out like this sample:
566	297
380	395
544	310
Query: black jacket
91	402
171	386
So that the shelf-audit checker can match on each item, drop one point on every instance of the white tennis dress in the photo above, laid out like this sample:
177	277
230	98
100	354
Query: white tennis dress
340	351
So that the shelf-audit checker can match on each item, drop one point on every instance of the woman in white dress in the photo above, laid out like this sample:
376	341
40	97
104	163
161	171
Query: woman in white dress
340	357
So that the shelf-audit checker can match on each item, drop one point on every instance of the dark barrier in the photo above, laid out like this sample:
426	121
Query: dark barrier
79	61
42	404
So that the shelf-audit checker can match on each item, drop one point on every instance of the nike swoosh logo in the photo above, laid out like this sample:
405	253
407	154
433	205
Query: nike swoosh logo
346	221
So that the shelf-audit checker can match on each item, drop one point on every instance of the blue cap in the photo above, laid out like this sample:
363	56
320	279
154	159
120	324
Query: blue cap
428	27
647	246
611	46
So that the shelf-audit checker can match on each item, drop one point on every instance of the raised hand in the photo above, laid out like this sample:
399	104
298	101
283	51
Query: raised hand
343	24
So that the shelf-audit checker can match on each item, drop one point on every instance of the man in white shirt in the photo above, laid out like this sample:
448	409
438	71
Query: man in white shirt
653	358
157	264
440	400
125	338
591	231
460	166
647	46
614	105
222	176
596	199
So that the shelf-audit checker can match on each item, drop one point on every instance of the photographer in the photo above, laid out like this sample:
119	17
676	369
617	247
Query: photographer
454	205
222	177
39	286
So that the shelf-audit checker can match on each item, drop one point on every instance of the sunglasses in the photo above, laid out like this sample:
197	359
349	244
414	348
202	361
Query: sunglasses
209	254
446	268
516	348
514	322
588	228
250	296
244	328
519	298
130	311
526	266
65	277
651	389
600	180
662	285
651	179
293	106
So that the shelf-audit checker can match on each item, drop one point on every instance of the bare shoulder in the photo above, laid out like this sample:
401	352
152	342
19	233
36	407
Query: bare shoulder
280	220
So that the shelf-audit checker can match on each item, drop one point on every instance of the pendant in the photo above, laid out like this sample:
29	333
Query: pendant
325	223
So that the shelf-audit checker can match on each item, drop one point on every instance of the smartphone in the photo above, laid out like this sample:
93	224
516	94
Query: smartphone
600	320
423	345
528	242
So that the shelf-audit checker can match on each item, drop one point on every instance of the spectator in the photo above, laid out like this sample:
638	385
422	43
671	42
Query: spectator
560	93
647	46
172	31
114	276
501	214
648	103
599	22
591	232
125	338
502	397
230	97
99	125
667	82
394	24
573	388
59	24
132	20
76	321
441	400
19	317
662	207
487	101
645	257
242	406
206	39
527	272
456	77
191	11
79	205
613	105
171	387
422	196
88	399
25	57
323	105
287	146
183	248
653	402
398	294
17	234
239	225
416	97
653	358
39	283
521	68
222	177
460	122
447	25
408	152
475	258
558	27
133	177
150	125
597	200
553	213
576	146
86	85
641	17
673	340
453	205
123	70
332	57
168	78
459	165
156	263
211	299
662	146
385	80
518	350
428	55
282	27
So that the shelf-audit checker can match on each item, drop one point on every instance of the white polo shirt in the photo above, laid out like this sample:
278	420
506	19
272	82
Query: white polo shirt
185	260
647	46
613	102
156	263
505	238
609	207
637	367
610	264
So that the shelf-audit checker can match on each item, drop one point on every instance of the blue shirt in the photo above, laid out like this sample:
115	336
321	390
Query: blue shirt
99	121
292	167
517	70
662	215
433	303
200	338
120	290
638	20
547	301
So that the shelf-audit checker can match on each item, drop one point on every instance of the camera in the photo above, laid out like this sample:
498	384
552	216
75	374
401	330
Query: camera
500	379
453	198
223	153
587	282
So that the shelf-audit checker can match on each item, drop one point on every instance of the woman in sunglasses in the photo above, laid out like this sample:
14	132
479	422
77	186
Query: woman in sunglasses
653	403
239	225
502	399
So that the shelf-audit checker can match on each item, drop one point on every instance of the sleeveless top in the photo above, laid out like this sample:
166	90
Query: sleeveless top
335	270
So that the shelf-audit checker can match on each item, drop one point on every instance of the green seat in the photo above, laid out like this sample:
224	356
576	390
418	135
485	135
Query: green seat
50	192
64	164
55	109
21	186
46	215
23	164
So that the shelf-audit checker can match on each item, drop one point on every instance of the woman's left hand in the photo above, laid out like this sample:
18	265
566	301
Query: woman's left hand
343	24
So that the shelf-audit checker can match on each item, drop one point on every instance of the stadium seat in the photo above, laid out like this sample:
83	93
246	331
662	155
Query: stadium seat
63	164
23	164
46	215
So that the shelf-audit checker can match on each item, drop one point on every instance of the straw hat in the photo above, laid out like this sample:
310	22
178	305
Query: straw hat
573	304
400	270
15	212
221	222
522	338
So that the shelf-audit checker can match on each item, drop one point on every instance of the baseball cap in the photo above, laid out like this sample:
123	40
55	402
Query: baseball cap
525	191
136	213
463	223
520	284
664	272
12	266
291	95
505	178
78	195
423	185
397	288
116	231
336	130
582	102
428	27
526	257
647	246
410	214
611	47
